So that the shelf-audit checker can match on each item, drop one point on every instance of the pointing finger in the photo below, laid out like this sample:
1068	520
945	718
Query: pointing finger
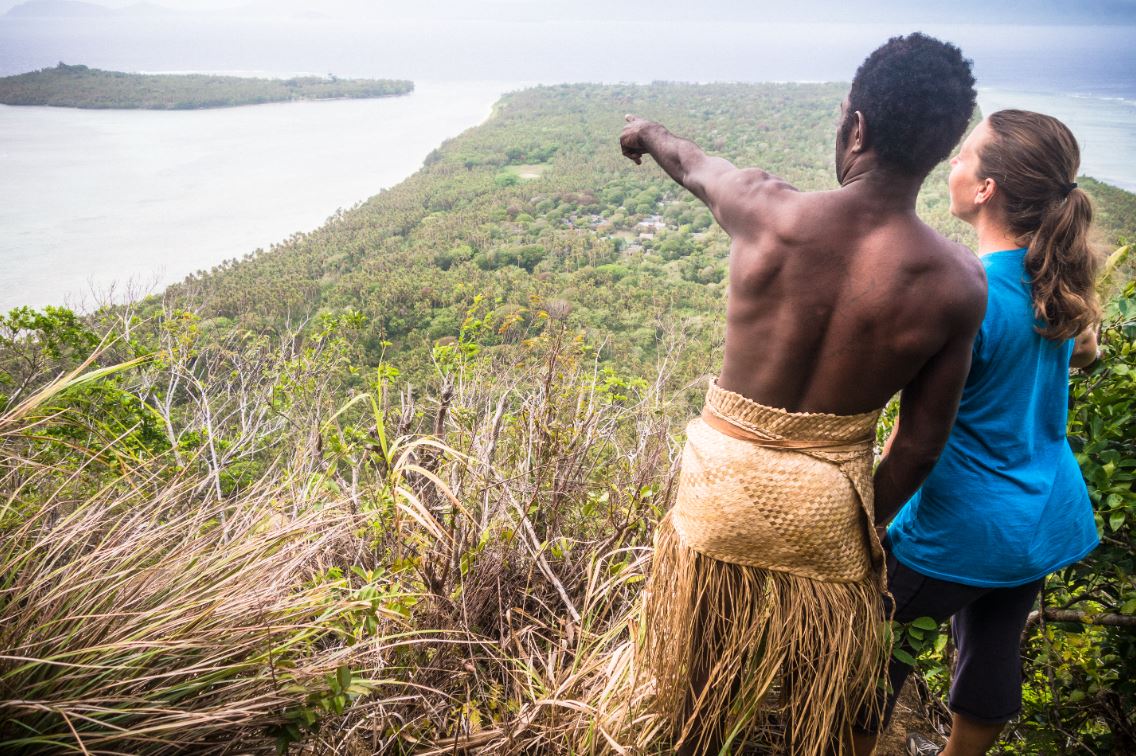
635	155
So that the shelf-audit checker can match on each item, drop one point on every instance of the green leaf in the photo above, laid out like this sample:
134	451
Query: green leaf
1116	520
925	623
903	656
343	677
359	688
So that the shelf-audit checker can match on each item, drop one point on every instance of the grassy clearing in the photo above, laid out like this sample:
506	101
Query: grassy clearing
526	172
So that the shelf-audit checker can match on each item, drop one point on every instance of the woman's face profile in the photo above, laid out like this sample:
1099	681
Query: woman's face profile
964	183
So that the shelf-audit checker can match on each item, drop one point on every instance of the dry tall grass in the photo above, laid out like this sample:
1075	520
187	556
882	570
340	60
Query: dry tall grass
137	615
429	574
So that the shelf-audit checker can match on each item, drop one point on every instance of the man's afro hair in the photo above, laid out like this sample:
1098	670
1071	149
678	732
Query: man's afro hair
917	96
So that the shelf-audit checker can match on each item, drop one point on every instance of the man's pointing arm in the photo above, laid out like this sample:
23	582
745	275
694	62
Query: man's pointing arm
725	189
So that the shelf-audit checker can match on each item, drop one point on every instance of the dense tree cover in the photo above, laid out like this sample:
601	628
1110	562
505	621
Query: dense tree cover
82	87
620	245
416	455
1114	211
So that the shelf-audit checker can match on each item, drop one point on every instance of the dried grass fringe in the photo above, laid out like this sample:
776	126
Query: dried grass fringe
789	662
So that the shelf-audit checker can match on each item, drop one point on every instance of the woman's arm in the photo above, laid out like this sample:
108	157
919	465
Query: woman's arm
1086	349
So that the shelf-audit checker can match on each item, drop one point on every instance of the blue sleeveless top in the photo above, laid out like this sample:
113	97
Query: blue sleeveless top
1006	503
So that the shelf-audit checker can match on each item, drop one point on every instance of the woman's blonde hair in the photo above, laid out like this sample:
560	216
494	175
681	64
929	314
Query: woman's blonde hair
1034	159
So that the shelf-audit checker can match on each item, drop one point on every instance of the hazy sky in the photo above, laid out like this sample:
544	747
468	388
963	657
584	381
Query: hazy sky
914	11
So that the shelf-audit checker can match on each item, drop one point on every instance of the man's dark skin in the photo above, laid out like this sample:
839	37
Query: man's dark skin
838	299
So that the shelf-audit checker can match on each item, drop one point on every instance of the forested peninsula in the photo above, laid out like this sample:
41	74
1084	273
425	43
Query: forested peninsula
390	486
77	86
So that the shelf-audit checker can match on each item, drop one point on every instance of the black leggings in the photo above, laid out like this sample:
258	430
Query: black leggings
987	625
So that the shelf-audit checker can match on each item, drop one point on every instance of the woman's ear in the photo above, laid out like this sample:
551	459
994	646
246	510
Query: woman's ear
986	192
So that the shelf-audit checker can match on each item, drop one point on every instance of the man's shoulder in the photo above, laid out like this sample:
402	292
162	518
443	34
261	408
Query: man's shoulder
959	260
968	267
792	213
945	278
962	276
760	188
757	201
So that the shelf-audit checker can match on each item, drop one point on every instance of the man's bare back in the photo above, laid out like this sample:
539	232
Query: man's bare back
840	299
836	304
837	300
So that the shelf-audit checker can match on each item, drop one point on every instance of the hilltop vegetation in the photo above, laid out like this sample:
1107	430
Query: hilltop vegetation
621	247
390	486
83	87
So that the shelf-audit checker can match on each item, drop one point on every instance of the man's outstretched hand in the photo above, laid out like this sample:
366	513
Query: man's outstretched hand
631	140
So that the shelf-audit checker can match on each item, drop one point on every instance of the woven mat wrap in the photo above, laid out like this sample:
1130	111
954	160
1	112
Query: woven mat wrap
787	491
764	620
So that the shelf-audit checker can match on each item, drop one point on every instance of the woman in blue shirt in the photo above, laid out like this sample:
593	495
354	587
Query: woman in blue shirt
1005	504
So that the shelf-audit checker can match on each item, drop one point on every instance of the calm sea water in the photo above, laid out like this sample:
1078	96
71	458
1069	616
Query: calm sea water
89	198
1096	60
92	198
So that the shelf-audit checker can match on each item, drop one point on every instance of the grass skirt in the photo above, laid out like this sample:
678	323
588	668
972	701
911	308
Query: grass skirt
785	662
764	618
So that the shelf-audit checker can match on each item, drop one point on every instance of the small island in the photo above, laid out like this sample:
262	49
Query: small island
82	87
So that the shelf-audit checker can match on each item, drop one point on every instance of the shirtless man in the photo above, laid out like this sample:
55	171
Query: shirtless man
840	299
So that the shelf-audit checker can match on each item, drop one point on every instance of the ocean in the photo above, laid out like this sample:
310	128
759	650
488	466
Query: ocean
97	205
135	199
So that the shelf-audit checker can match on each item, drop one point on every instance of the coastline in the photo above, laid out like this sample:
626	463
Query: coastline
95	202
180	109
116	217
86	88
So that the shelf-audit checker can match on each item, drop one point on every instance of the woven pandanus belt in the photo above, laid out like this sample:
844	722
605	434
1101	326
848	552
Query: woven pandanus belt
785	491
762	594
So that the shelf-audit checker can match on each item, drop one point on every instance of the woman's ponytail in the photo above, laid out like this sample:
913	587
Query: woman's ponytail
1062	267
1033	159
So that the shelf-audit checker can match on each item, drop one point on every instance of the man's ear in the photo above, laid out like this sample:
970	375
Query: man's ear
859	140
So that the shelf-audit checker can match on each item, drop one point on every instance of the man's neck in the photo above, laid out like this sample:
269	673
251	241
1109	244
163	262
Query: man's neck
884	187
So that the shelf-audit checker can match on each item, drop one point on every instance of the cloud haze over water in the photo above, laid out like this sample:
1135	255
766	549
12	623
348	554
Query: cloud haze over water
548	42
1078	56
904	11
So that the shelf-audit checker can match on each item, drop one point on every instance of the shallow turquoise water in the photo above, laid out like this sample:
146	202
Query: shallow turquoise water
138	199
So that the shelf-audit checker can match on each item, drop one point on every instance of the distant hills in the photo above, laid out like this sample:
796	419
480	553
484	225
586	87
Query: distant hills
82	87
80	9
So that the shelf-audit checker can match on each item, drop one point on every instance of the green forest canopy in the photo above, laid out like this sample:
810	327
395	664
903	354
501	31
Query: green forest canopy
82	87
539	203
247	456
